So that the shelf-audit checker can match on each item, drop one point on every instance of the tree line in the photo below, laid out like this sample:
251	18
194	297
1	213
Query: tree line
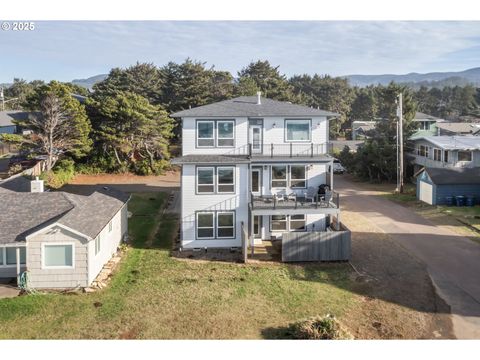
124	125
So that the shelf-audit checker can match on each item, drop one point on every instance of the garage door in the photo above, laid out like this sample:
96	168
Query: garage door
426	192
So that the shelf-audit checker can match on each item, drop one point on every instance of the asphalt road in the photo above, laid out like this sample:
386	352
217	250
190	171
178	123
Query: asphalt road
453	261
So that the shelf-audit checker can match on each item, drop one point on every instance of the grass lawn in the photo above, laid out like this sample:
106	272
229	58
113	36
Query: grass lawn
155	296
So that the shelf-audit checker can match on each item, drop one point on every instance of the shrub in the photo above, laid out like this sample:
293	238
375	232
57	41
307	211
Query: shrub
61	174
318	328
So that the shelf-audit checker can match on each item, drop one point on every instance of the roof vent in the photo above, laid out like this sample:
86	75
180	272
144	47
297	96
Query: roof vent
36	185
259	100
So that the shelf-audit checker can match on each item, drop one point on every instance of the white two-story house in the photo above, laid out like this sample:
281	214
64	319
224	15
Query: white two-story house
252	168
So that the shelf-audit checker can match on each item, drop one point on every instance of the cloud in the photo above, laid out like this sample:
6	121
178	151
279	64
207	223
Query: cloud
65	50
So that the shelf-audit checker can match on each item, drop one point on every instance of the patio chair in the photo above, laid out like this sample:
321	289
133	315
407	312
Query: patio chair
310	194
280	195
327	197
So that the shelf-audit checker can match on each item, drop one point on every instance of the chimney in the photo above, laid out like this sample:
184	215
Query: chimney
259	100
36	185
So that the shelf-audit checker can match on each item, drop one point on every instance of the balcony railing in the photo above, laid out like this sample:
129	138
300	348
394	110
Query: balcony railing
429	162
294	201
283	150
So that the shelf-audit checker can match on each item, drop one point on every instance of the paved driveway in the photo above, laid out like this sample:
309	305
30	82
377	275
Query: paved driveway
453	261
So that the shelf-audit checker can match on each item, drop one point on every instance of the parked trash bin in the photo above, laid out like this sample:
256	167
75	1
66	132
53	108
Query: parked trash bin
470	201
449	200
460	200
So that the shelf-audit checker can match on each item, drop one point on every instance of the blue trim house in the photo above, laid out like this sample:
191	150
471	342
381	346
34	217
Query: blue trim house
435	184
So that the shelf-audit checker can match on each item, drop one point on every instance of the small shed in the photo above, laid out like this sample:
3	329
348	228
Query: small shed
435	184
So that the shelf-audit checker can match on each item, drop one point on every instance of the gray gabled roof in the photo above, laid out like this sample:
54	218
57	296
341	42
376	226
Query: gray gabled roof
25	213
8	116
419	116
453	142
246	106
452	176
460	128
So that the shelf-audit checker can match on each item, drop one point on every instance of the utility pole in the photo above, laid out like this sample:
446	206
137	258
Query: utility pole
400	139
2	98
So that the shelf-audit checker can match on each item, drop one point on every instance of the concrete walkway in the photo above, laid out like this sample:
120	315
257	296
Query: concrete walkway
7	291
453	261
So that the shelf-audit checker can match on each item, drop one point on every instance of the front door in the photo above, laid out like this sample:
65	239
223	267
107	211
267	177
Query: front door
257	227
256	140
257	181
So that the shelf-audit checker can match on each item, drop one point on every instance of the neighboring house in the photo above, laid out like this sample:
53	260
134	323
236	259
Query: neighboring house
7	118
434	185
445	152
458	128
62	240
360	129
339	145
251	170
426	124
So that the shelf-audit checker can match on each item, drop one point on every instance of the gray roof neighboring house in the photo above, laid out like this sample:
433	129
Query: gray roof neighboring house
419	116
459	128
30	212
246	106
453	142
16	183
454	176
8	116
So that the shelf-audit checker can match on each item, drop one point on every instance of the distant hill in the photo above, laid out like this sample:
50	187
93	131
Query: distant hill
88	83
434	79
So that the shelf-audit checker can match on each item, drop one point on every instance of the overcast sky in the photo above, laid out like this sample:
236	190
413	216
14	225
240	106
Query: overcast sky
71	50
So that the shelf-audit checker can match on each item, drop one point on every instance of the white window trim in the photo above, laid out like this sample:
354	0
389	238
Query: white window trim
4	254
218	137
289	173
297	120
216	180
272	179
297	230
286	221
465	161
197	227
197	182
433	153
213	134
44	267
225	227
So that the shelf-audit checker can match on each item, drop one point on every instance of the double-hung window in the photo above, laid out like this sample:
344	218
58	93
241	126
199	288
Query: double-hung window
205	133
464	156
437	154
445	156
225	225
298	176
297	130
58	255
297	222
205	180
216	179
278	223
294	176
225	179
279	176
215	225
205	225
215	133
225	133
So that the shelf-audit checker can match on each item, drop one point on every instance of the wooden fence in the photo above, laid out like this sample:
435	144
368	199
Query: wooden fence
317	245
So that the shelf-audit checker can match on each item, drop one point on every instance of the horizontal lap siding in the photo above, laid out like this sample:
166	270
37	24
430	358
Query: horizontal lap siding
442	191
316	246
57	278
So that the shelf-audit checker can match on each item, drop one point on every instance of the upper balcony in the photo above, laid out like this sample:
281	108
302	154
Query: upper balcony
289	150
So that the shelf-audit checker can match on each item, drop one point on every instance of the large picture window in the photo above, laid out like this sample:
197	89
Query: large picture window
205	133
215	133
298	176
297	130
288	223
225	137
205	183
464	156
58	255
225	225
297	222
205	225
279	176
225	179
